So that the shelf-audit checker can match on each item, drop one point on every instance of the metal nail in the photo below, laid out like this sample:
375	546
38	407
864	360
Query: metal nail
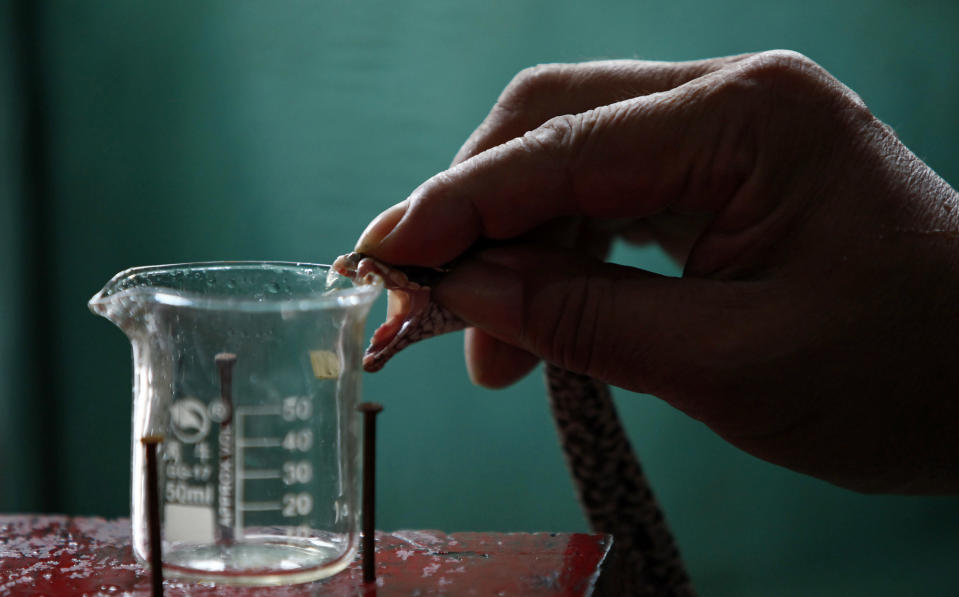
150	443
369	410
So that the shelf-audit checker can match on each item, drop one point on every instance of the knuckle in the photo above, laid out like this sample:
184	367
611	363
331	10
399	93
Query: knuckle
786	61
530	84
522	104
785	73
780	70
774	79
555	134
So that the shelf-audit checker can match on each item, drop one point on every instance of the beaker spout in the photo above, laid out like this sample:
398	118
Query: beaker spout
104	302
101	302
116	300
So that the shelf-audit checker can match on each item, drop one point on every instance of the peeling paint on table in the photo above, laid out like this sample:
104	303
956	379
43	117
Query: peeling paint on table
59	555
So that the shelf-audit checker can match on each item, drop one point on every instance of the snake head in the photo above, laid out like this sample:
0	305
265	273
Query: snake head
411	314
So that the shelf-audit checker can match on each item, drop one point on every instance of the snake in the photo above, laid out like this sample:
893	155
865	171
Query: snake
609	482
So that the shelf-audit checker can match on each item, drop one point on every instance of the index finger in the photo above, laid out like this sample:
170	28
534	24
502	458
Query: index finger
686	149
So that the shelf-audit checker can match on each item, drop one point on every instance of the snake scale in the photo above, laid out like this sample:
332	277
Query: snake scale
609	481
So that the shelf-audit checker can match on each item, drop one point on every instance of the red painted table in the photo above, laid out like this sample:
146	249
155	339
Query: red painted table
59	555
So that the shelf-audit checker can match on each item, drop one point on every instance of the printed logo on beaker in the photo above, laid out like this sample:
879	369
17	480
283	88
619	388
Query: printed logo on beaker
189	418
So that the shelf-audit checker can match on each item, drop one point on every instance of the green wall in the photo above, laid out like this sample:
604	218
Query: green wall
21	462
10	440
189	130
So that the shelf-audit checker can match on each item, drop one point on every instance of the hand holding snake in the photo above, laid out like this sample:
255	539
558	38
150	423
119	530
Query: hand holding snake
814	324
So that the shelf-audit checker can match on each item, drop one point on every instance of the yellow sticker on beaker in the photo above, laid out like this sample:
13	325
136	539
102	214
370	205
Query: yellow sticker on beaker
326	365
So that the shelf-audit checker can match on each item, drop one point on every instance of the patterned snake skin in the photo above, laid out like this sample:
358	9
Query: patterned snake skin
609	481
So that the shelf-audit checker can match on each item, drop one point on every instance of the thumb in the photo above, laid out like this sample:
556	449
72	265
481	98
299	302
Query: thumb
634	329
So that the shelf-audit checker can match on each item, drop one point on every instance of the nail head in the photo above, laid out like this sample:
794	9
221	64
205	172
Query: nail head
370	407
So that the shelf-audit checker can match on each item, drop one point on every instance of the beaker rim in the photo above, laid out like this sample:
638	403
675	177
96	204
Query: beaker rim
122	285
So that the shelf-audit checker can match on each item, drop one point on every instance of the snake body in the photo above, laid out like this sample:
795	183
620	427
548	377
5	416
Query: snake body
609	482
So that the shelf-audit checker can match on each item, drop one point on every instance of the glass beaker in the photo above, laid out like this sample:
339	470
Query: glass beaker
250	372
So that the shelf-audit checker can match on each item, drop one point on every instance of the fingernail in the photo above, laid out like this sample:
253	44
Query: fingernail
380	227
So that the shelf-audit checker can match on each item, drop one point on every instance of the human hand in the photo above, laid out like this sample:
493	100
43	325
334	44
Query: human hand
814	325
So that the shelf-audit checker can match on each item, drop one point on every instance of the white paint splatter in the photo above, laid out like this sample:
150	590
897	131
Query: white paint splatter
430	570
